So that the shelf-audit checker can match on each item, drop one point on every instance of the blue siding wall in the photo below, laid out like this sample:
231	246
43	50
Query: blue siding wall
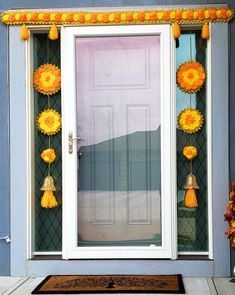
4	155
4	97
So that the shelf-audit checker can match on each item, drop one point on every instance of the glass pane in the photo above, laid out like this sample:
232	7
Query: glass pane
48	222
119	159
192	223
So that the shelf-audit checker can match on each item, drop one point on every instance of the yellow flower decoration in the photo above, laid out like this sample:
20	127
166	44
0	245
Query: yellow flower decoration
190	152
49	122
47	79
190	76
190	120
232	223
48	155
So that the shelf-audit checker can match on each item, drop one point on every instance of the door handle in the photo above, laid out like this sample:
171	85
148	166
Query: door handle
71	139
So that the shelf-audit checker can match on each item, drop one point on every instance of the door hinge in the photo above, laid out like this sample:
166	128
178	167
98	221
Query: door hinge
6	238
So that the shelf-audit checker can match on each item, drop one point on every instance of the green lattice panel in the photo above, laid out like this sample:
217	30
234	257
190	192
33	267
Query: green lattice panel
193	223
48	222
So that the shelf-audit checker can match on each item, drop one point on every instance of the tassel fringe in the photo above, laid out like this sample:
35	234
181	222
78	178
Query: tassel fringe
24	33
205	31
176	30
53	34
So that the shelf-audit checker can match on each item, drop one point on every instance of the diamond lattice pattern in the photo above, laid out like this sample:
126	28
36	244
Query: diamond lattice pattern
48	222
193	223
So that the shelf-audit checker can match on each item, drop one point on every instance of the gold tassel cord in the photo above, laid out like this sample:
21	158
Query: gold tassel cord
24	33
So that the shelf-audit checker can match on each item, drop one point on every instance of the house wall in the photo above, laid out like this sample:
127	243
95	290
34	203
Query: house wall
5	197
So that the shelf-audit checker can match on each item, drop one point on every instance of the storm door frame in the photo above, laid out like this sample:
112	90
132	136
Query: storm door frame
168	145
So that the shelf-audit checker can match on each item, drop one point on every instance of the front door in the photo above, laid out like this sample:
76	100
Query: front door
116	121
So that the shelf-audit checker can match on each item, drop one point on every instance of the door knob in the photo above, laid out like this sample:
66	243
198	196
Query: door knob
71	139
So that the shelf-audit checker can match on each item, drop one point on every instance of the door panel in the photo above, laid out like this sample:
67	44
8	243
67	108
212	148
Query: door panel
118	117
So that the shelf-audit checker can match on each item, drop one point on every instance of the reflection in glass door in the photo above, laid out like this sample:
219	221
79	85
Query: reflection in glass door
118	142
119	157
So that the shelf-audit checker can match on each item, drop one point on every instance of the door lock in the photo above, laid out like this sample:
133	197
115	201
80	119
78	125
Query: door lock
71	139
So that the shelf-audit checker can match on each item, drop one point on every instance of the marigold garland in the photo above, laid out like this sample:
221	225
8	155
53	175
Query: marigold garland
181	15
190	76
229	216
190	120
49	122
47	79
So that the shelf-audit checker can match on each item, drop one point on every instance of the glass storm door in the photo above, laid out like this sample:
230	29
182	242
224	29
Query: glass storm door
117	128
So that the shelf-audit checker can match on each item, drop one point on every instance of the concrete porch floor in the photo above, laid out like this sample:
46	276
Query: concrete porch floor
193	285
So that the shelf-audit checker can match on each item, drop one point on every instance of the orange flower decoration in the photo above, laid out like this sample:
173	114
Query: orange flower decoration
190	152
190	120
47	79
191	76
48	155
49	122
229	216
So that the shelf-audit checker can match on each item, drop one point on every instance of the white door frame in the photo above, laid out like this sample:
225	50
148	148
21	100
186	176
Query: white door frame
168	145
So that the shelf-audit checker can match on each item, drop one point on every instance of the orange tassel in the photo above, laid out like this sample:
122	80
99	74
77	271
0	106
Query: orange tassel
24	33
176	30
48	200
205	31
190	198
53	34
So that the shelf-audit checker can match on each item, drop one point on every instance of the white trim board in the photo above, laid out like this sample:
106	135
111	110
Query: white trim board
219	266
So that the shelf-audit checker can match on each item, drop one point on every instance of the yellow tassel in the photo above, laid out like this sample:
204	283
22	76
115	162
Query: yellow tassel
190	199
176	30
53	34
48	200
205	31
24	33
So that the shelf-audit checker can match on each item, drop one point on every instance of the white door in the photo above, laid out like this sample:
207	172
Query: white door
116	100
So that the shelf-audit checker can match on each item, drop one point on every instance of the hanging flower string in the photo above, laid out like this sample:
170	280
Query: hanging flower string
48	199
49	123
47	80
190	78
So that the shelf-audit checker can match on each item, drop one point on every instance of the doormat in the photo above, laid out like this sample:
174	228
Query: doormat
77	284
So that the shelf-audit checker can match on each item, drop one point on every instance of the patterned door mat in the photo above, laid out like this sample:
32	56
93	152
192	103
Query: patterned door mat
77	284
